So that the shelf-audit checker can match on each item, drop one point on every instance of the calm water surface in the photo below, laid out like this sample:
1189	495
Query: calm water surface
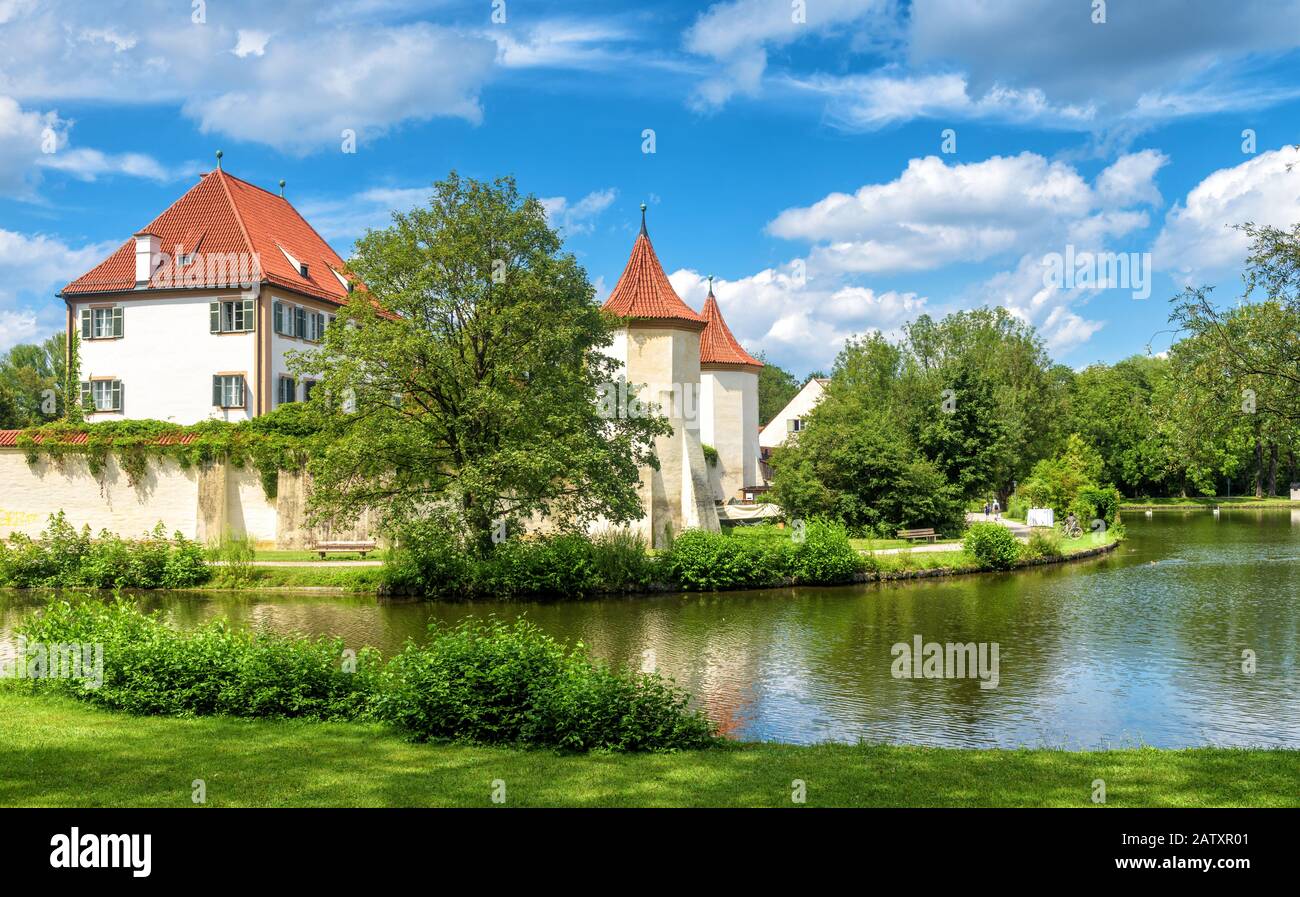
1143	646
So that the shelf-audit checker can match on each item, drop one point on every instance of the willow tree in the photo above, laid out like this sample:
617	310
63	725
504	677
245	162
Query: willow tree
463	377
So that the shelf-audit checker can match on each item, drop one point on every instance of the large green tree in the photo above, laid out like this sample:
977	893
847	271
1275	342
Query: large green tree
463	377
32	383
776	387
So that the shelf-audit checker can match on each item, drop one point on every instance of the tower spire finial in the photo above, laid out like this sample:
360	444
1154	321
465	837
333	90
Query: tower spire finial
643	230
282	188
219	155
710	284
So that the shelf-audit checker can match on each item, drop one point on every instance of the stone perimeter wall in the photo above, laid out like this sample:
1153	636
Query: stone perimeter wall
200	503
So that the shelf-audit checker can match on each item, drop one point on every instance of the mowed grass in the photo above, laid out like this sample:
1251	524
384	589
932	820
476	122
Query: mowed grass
58	752
348	579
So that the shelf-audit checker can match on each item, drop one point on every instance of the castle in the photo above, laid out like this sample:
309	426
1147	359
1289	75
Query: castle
192	319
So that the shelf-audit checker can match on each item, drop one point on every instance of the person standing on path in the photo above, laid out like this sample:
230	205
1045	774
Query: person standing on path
997	509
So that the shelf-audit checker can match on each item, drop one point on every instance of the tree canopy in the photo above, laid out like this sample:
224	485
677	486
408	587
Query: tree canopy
468	366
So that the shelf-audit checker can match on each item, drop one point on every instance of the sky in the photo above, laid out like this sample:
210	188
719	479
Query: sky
840	166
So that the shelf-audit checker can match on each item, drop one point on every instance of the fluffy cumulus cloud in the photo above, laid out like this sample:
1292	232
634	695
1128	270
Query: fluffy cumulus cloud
798	321
1198	240
32	268
279	83
936	214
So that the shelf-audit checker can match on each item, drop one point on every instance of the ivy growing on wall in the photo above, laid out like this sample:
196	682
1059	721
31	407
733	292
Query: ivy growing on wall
276	441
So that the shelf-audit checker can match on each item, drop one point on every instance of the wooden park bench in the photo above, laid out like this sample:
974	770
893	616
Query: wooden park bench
918	535
361	548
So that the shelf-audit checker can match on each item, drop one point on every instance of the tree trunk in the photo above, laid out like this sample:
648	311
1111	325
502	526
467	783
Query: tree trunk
1259	467
1272	470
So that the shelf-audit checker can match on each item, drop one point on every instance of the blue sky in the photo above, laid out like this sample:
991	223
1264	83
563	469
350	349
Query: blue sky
799	146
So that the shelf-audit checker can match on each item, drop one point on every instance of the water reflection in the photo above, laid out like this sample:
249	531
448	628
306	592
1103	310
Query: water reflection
1142	646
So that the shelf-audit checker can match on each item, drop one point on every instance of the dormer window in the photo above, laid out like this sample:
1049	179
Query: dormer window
302	269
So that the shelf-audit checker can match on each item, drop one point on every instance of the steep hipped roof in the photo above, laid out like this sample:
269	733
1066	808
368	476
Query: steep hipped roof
643	291
717	345
223	214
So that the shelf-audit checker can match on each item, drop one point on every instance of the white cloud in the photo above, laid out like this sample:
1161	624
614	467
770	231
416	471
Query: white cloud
1156	48
869	102
303	93
736	36
578	217
936	213
17	327
568	43
250	42
32	268
1198	239
802	322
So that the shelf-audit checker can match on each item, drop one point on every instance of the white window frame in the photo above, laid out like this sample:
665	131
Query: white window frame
102	395
232	316
229	391
280	390
101	322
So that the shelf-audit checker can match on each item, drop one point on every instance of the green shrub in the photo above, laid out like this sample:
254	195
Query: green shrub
1044	543
62	556
824	556
236	554
992	545
704	561
150	668
493	683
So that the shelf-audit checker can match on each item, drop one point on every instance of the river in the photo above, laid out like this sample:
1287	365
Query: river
1142	646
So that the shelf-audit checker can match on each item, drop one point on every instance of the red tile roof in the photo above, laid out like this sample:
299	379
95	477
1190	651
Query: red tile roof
643	290
223	214
9	438
717	345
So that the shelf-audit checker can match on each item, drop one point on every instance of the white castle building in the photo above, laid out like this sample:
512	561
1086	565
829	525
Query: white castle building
192	318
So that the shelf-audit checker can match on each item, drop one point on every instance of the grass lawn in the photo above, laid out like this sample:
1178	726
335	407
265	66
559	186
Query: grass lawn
272	554
57	752
351	579
1235	501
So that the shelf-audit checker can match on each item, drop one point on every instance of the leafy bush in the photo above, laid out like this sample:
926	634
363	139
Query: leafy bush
236	554
429	560
825	555
62	556
1097	503
493	683
704	561
1044	543
992	545
150	668
487	683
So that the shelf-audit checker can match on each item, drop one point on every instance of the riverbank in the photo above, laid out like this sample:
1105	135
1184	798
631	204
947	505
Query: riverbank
48	743
1226	502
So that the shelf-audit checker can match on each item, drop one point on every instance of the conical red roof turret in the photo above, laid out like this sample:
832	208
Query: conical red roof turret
717	344
644	293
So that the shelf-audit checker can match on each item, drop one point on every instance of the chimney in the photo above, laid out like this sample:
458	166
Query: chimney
147	248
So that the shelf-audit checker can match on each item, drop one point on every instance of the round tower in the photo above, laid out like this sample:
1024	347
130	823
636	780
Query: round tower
658	347
728	405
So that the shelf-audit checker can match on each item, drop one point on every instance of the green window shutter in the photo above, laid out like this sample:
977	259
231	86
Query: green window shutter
117	320
86	398
85	323
241	397
116	392
214	309
216	391
277	312
248	314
